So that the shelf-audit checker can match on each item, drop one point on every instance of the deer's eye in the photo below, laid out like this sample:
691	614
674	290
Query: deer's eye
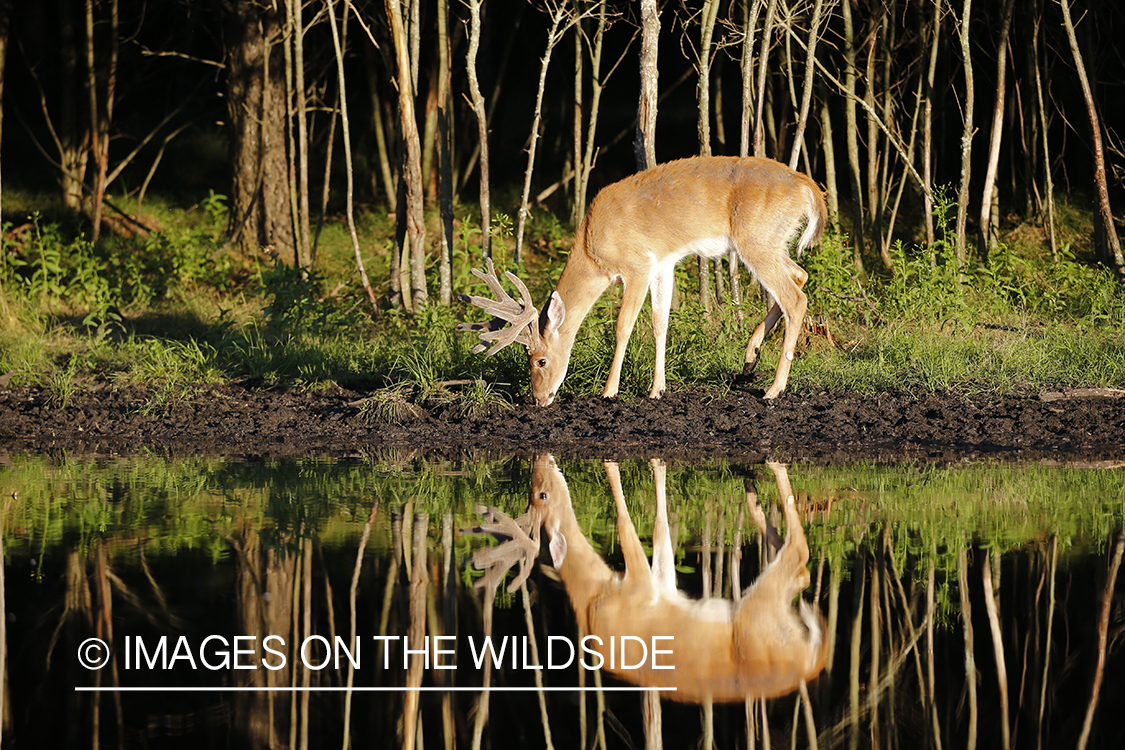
541	362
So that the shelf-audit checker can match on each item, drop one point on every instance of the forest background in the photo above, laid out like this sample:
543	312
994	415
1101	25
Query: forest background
294	192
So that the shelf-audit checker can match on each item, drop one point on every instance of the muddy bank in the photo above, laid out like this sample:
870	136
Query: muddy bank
243	420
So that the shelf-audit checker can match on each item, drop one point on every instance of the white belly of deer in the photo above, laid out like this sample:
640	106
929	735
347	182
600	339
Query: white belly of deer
708	247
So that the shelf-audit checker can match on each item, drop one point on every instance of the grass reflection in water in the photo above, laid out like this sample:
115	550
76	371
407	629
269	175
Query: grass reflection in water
301	579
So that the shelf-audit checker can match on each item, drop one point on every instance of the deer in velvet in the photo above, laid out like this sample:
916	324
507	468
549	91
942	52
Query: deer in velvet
722	649
635	233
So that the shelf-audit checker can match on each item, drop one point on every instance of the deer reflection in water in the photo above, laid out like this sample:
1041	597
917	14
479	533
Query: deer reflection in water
720	649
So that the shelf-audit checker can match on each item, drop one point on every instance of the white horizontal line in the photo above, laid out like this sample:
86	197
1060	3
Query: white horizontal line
178	689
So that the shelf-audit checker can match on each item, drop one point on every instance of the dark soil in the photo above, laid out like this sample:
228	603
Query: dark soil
248	421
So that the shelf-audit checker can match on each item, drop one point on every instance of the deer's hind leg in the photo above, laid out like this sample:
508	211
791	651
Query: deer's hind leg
784	280
788	571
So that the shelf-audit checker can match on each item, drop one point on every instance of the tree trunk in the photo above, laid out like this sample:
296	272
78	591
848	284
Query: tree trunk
703	96
763	70
806	94
346	134
303	252
554	33
445	157
928	127
574	168
830	183
873	195
966	133
750	9
410	156
101	112
644	146
1105	233
582	172
1041	104
261	218
989	221
477	100
851	131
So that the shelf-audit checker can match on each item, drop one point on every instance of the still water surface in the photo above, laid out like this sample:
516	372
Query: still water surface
236	602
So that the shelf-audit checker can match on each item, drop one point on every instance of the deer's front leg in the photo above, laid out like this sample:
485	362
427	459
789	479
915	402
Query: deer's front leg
661	286
631	303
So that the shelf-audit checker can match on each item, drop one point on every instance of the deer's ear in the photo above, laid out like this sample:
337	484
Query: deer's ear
558	548
556	312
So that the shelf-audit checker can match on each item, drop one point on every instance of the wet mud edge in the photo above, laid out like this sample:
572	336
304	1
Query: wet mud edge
692	424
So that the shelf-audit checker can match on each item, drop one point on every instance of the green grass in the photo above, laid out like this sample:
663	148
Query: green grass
177	310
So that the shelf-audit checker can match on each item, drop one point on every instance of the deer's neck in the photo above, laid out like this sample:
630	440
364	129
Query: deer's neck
581	284
584	572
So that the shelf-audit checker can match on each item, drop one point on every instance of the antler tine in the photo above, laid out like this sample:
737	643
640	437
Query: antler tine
522	315
522	546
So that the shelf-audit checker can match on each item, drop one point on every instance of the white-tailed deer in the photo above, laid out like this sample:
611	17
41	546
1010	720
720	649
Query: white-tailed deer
637	230
759	646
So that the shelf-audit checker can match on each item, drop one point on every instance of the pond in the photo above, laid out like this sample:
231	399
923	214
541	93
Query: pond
167	602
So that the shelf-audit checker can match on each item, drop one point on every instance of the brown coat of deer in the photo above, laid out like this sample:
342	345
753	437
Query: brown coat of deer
725	650
635	233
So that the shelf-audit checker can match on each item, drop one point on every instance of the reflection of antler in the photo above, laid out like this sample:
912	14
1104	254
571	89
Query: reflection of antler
522	546
523	316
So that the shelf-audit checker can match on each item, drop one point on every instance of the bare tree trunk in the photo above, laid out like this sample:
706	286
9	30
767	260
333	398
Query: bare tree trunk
411	159
928	127
644	145
101	113
851	130
750	10
883	180
989	222
1103	618
806	94
303	250
582	174
873	194
346	134
1041	103
830	183
498	76
709	15
707	20
430	136
482	127
558	13
1105	233
445	157
261	218
763	69
966	133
